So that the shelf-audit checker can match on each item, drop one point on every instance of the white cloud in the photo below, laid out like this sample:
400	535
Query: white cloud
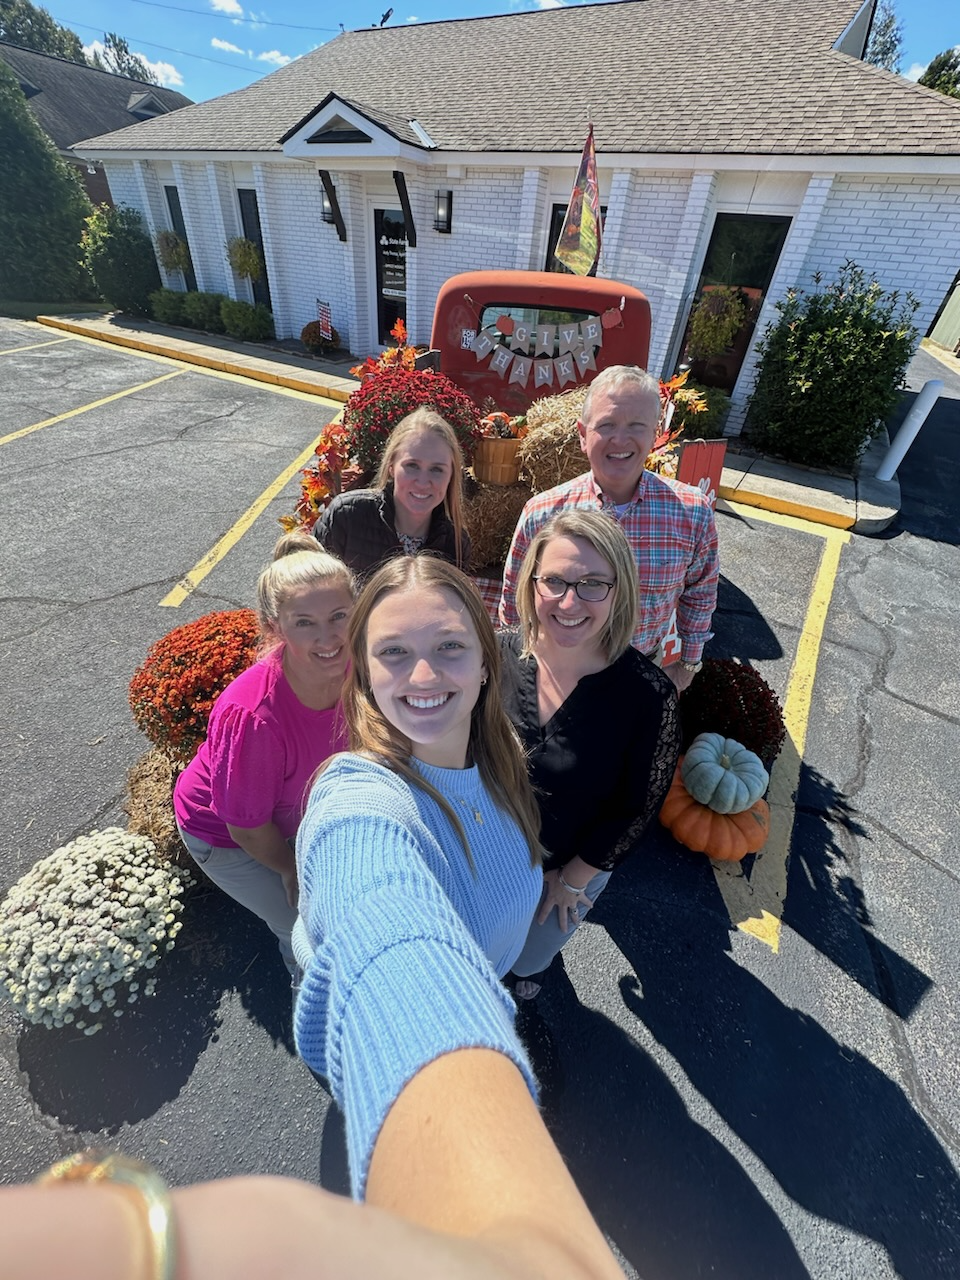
411	19
274	57
227	6
549	4
225	45
165	72
916	71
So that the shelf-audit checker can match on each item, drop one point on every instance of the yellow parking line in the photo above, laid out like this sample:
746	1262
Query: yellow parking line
190	581
9	351
755	905
85	408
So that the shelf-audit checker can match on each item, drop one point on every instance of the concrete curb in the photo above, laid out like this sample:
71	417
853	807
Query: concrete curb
863	505
254	367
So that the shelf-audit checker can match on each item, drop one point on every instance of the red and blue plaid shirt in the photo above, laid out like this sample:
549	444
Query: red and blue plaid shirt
671	530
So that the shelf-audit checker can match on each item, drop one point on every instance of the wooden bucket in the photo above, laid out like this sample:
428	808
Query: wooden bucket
496	462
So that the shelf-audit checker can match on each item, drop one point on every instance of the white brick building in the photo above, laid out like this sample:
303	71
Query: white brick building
758	163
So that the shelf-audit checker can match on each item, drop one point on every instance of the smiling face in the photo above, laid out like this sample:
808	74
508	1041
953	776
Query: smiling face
312	622
619	432
421	474
568	622
426	669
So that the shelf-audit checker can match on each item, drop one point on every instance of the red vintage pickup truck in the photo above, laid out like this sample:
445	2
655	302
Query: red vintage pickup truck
516	336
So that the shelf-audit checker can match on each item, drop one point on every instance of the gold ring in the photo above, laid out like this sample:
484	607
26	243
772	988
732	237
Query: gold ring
146	1188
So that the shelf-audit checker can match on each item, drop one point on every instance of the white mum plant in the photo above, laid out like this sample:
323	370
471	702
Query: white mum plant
81	928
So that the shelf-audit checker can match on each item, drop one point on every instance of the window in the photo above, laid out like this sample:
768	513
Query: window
557	215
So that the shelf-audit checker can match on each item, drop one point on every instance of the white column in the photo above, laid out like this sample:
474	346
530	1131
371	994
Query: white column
622	189
530	254
684	270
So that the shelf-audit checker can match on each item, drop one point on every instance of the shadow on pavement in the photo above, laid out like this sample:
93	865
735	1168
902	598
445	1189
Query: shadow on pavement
838	1135
741	629
826	905
137	1063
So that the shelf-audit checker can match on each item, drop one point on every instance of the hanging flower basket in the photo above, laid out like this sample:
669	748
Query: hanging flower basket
496	462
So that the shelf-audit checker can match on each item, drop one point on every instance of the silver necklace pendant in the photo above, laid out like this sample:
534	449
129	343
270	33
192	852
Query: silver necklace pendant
477	815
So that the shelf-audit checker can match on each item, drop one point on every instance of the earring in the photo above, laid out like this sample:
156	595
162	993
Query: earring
483	680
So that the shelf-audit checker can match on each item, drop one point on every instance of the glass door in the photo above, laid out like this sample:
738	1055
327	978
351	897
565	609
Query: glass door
390	238
742	255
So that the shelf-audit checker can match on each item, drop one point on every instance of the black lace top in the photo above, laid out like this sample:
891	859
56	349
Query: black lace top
602	764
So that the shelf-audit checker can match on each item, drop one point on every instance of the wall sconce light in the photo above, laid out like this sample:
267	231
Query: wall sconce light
91	166
443	216
326	206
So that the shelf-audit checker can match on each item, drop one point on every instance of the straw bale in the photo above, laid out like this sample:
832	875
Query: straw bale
149	806
490	514
550	453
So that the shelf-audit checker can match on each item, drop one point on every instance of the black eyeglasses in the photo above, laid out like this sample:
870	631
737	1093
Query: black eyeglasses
592	590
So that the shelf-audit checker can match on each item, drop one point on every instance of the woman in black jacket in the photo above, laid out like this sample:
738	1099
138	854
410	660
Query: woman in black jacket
416	503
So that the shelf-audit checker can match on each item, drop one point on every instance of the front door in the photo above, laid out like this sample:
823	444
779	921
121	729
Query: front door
391	245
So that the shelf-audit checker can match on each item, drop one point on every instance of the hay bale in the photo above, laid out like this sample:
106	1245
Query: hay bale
550	453
490	513
149	806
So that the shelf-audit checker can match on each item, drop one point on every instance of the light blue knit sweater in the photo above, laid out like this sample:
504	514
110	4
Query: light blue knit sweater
402	943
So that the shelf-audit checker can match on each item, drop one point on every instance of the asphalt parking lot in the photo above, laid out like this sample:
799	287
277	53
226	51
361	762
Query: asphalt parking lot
768	1101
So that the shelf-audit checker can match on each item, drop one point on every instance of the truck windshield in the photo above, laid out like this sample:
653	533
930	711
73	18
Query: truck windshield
531	316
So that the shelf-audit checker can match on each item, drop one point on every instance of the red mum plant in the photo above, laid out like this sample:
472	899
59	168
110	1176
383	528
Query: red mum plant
173	692
728	697
390	388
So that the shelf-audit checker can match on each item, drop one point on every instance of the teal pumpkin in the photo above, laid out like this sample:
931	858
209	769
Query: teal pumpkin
722	774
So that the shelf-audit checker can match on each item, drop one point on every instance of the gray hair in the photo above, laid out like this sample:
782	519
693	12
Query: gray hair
620	375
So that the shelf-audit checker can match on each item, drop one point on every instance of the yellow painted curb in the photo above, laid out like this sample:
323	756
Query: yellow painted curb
765	502
223	365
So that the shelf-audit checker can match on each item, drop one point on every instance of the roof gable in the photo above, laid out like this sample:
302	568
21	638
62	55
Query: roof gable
518	83
338	128
71	101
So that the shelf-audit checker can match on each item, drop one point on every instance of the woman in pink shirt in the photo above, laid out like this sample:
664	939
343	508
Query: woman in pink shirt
240	800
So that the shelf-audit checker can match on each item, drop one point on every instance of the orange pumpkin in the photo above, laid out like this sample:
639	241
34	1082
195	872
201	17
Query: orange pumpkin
726	837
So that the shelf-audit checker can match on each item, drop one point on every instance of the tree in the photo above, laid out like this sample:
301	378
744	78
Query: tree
943	73
23	23
886	38
118	58
43	208
118	253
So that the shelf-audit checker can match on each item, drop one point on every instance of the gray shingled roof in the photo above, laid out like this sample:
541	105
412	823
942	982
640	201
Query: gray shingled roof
76	101
734	76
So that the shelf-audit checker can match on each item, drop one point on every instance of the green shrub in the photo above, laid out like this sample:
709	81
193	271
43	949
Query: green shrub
167	306
43	208
830	368
203	311
245	322
119	255
708	423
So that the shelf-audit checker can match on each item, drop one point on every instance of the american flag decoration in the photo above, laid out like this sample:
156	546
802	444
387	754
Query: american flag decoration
325	319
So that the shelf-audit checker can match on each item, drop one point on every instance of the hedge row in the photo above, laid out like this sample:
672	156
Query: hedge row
213	313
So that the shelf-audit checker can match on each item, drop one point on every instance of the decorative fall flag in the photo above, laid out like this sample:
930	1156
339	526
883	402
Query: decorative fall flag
579	245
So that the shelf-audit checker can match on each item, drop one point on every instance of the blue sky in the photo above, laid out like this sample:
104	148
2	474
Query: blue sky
208	47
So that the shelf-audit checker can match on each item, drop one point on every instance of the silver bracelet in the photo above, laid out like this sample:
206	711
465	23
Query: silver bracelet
570	888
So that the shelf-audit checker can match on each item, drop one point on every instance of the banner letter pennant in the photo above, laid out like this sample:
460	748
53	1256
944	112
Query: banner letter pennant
520	371
484	343
564	370
569	338
584	357
543	373
546	339
591	330
501	360
520	338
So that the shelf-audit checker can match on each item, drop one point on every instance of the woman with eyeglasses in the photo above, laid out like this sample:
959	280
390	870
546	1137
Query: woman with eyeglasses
598	719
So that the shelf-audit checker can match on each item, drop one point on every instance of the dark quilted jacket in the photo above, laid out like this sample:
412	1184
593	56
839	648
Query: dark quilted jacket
359	528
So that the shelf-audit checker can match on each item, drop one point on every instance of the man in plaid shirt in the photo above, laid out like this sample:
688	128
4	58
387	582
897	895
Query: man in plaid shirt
669	525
